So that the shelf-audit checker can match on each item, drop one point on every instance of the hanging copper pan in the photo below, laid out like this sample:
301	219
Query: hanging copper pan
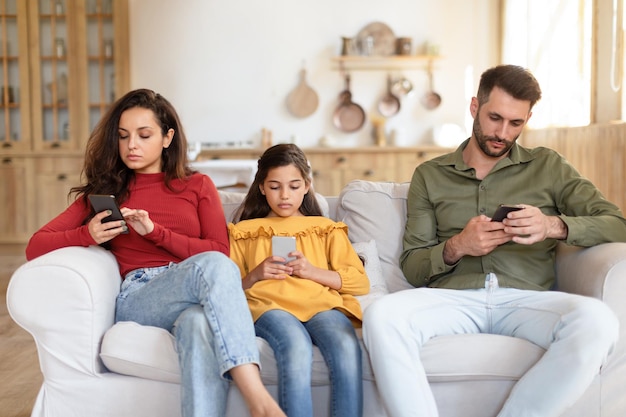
348	116
389	104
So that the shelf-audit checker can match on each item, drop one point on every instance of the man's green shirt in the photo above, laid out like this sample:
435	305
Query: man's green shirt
445	193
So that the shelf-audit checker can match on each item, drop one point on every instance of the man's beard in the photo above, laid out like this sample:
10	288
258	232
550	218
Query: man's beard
483	140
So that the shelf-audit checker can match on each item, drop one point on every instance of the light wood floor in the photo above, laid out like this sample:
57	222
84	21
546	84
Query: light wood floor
20	377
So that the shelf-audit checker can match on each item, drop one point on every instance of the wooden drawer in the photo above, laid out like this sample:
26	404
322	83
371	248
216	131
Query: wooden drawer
54	177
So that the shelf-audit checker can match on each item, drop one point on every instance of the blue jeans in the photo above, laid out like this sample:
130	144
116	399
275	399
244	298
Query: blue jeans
201	301
292	341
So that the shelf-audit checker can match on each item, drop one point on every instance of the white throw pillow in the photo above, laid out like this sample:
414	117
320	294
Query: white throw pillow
377	210
378	287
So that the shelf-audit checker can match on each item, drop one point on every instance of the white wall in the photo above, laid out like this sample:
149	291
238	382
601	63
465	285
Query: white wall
228	65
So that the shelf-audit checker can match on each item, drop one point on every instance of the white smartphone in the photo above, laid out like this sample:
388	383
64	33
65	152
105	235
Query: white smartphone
282	246
101	202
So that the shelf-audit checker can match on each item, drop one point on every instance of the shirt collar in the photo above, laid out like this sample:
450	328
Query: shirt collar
518	155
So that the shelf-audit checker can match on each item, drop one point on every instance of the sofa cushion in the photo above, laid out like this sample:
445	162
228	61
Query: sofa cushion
150	352
478	357
377	210
143	351
231	201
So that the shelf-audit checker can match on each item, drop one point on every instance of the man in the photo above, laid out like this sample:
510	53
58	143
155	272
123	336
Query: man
452	249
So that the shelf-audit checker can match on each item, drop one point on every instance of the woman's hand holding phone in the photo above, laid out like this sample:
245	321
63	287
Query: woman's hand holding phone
108	221
102	231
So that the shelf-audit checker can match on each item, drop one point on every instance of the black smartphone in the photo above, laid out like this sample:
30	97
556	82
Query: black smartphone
102	202
282	246
502	211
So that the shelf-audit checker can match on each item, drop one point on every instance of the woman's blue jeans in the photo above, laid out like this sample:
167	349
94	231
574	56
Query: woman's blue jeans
292	341
201	301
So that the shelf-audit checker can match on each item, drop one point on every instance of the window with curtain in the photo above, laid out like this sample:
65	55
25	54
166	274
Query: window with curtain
552	38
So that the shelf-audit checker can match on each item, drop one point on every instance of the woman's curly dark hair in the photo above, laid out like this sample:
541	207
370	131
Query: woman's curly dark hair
104	172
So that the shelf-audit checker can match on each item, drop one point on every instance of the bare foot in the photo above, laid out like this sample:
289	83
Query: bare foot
258	399
266	408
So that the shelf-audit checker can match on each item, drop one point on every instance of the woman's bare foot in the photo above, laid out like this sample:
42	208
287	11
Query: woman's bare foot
259	401
265	408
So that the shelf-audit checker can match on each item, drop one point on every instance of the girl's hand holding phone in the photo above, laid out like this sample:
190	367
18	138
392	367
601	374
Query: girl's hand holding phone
270	268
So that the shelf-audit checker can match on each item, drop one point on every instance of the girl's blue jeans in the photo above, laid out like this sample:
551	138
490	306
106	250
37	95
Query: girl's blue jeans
292	341
201	302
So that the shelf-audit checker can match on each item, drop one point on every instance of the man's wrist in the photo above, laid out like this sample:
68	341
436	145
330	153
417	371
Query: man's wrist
557	229
450	256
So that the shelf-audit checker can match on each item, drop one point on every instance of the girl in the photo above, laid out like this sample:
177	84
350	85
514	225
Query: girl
172	249
306	301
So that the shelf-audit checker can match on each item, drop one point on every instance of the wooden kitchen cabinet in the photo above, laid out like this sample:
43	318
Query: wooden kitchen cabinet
227	153
407	161
325	171
15	222
333	168
79	65
62	64
53	178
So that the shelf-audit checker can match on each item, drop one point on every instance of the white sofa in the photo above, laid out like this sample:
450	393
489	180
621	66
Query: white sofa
92	367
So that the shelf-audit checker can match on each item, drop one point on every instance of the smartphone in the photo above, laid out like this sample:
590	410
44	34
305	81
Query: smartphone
282	246
102	202
502	211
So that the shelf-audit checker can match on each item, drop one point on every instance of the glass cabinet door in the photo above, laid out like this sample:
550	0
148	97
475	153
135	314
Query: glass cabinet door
52	68
100	58
103	57
14	92
82	44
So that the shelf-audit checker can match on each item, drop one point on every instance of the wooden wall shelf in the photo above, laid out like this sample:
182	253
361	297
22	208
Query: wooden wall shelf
377	63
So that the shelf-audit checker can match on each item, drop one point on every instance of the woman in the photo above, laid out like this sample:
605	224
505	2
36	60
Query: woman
172	248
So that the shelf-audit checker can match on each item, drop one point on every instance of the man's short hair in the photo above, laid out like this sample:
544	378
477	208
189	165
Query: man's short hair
514	80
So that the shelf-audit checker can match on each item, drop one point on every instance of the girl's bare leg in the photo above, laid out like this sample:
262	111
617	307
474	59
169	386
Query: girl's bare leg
259	401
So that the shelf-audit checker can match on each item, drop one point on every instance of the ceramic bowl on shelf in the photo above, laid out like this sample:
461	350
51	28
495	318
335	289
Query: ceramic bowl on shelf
376	39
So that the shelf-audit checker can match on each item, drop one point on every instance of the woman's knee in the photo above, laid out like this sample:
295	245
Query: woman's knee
215	267
213	260
192	324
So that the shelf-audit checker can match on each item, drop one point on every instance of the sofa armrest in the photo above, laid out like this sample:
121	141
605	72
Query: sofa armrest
597	271
66	300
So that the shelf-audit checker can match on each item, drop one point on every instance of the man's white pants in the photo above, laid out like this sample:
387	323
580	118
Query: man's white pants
577	332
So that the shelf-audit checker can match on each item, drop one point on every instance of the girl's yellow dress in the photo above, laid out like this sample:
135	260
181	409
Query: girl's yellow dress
323	242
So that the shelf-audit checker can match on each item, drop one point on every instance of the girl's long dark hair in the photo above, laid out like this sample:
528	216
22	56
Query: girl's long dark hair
255	203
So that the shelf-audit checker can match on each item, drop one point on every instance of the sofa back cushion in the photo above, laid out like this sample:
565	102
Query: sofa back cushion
377	210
